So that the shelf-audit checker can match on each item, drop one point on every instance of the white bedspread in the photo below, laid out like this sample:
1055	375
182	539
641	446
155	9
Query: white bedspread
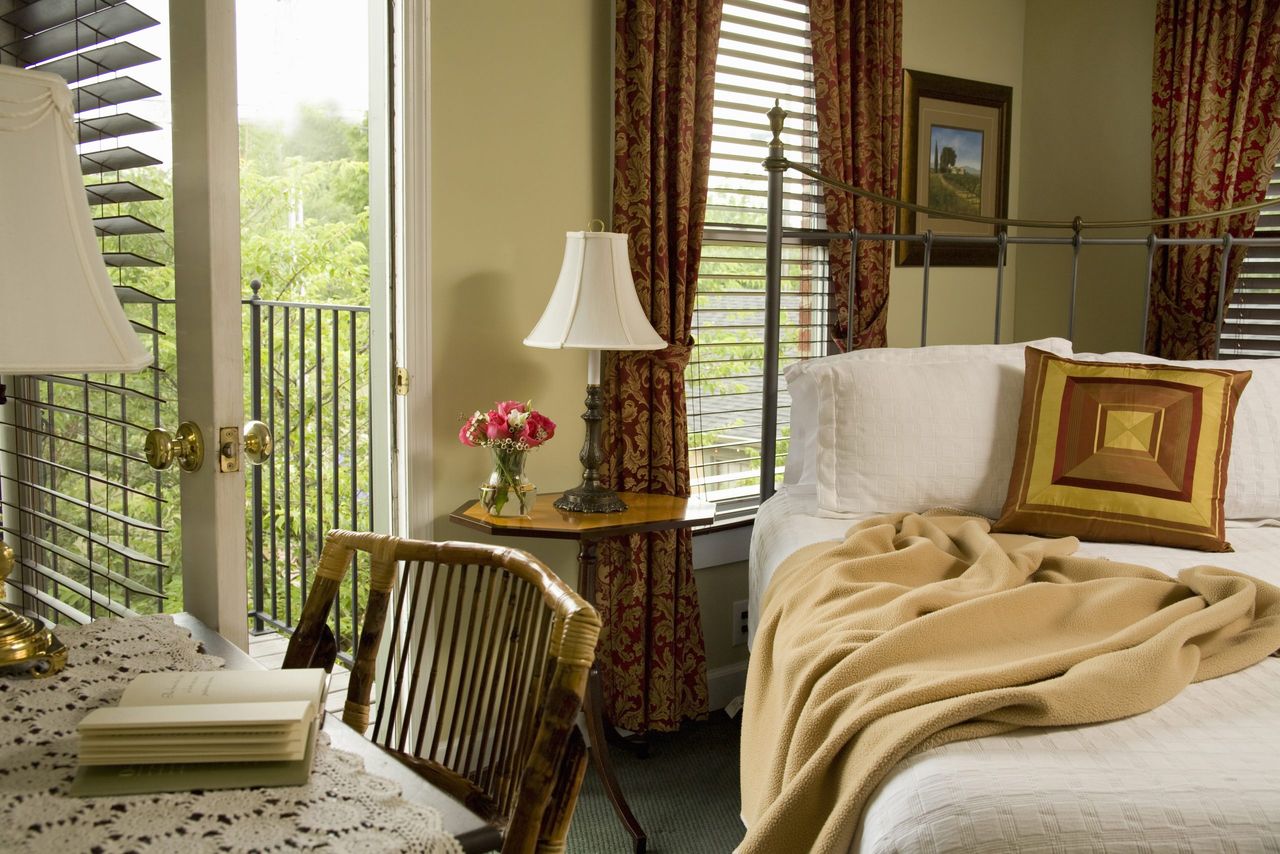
1199	774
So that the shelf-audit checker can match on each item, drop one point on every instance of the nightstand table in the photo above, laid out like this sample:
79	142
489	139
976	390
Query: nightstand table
645	512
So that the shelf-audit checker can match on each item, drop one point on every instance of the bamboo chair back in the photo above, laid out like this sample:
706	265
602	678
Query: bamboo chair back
487	654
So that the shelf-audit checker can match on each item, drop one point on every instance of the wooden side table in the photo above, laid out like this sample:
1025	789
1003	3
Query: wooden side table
645	512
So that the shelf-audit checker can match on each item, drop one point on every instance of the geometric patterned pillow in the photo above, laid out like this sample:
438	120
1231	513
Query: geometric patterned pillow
1122	452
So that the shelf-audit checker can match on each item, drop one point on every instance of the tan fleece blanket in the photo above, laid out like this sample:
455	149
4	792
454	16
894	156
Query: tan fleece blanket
917	631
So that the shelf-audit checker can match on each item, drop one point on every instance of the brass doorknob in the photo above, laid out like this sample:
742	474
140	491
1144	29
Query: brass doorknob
187	447
258	443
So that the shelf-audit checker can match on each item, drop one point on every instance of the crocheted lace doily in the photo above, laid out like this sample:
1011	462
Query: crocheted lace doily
341	808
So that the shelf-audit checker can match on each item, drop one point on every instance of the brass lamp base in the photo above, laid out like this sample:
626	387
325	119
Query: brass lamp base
25	644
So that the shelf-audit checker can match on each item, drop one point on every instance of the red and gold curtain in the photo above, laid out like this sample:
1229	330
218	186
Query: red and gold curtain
857	73
651	652
1215	137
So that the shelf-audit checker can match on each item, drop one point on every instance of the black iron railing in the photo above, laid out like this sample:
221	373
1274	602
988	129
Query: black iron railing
309	380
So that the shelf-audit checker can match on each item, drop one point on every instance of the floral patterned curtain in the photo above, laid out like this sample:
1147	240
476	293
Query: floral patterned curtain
857	73
1215	138
651	652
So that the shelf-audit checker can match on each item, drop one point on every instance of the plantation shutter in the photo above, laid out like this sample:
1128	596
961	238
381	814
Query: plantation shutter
81	508
764	55
1252	323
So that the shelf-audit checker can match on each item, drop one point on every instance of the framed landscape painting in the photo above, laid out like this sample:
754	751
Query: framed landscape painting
955	158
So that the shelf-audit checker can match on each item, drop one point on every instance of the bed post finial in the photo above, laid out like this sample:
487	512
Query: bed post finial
777	116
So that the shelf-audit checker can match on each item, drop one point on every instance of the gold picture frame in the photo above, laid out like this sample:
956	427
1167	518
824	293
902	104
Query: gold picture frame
955	156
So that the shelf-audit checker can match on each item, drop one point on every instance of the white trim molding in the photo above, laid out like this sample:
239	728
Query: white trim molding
412	240
382	290
725	683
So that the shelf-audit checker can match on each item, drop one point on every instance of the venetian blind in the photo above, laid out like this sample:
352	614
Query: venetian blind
1252	324
82	510
764	55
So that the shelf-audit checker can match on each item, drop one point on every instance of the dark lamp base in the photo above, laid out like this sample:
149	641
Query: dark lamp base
589	499
591	496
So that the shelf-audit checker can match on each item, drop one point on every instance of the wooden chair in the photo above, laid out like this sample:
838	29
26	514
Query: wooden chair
483	675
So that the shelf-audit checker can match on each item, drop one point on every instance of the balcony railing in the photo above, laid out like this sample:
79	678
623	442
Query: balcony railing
309	380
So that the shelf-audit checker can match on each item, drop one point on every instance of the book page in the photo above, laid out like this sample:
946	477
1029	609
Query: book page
227	717
226	686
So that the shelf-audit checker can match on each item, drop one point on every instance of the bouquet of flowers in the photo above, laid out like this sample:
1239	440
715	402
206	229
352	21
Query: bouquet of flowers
510	430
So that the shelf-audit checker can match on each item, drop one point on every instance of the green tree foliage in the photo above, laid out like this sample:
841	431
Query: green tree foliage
729	361
304	208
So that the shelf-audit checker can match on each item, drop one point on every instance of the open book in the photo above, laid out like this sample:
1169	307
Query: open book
203	730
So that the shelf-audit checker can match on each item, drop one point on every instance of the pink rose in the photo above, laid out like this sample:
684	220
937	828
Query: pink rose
472	432
538	428
509	406
496	426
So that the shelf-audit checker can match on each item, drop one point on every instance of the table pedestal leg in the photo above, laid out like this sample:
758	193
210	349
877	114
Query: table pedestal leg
593	712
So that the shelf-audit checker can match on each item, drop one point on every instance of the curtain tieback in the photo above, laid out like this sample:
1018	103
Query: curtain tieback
673	357
1196	335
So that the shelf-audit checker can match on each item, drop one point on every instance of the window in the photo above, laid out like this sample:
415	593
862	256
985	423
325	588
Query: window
764	54
1252	324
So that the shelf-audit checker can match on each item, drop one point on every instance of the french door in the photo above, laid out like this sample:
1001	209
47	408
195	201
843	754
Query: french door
313	118
98	532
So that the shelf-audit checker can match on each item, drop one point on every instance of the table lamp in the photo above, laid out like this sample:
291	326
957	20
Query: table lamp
594	307
58	310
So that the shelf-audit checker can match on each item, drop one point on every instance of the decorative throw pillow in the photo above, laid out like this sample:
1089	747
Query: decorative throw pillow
1253	478
1123	452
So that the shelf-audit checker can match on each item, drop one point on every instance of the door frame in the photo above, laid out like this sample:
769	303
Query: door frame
209	338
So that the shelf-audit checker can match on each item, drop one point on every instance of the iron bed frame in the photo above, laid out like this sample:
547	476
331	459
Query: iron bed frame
776	164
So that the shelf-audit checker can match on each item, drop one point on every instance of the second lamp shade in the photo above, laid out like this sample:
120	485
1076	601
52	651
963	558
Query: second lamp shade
594	305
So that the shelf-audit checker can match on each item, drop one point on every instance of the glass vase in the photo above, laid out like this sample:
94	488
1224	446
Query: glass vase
508	492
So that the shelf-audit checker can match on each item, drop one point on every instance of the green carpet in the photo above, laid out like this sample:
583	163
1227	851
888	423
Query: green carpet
685	794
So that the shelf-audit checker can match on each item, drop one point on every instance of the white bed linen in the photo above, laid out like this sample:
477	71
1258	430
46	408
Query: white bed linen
1200	773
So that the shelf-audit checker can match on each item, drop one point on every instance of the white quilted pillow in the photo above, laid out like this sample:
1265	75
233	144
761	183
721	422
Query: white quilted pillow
1253	472
938	430
802	455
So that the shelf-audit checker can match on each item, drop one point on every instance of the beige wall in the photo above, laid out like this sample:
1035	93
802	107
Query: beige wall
718	588
1086	151
977	41
520	103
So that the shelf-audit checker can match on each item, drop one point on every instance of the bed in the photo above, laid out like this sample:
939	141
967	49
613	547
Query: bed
1197	773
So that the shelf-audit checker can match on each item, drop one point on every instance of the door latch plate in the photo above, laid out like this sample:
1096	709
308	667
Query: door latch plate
228	449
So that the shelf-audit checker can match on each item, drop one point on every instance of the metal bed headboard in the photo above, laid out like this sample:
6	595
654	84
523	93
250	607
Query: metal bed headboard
776	164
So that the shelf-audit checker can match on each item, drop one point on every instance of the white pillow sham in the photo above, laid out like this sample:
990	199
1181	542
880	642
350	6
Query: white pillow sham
804	380
1253	472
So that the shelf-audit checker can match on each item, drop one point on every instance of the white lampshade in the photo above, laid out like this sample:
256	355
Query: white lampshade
594	305
58	309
